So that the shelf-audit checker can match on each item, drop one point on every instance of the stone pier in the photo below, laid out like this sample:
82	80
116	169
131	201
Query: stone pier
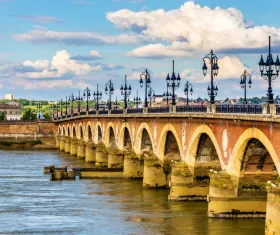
115	158
272	222
62	143
228	200
90	152
67	144
57	141
133	166
81	149
74	145
154	175
101	158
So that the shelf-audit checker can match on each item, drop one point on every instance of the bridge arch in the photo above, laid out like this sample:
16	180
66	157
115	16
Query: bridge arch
110	137
193	145
68	132
125	140
168	137
143	138
98	133
234	167
74	131
80	131
89	132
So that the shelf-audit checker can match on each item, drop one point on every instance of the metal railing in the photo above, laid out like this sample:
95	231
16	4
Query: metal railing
277	109
83	113
191	109
117	111
240	108
131	111
158	109
103	112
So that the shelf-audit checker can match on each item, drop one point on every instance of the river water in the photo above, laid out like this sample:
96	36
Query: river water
31	204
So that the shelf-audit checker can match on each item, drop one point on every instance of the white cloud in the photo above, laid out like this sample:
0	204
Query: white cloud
157	51
196	28
77	38
41	19
93	55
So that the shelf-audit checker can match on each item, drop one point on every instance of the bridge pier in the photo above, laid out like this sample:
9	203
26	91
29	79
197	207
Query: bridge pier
81	149
225	202
57	141
90	152
74	143
67	144
62	143
101	156
272	225
133	166
115	160
154	175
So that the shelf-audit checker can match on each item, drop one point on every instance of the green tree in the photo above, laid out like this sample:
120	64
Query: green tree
2	116
47	116
28	115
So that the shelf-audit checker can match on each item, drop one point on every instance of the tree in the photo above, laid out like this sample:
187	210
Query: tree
2	116
28	115
47	116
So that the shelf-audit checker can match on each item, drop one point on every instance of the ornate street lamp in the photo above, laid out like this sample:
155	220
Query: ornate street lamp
57	105
39	106
272	71
61	101
71	99
151	95
173	83
212	90
116	104
145	76
244	79
188	88
96	97
126	91
79	99
66	106
53	107
86	95
137	100
109	89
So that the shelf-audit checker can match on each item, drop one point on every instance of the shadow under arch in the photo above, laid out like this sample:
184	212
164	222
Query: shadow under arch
74	133
193	147
125	140
89	135
68	130
81	132
110	137
234	167
143	140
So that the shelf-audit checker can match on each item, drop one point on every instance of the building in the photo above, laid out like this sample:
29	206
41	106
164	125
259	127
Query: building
13	112
9	97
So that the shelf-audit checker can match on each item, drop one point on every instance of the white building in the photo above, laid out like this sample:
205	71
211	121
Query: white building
13	112
9	97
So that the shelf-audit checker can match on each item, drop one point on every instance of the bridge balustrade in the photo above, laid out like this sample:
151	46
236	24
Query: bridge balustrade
92	112
191	109
158	109
75	114
277	109
103	112
132	111
240	108
117	111
83	113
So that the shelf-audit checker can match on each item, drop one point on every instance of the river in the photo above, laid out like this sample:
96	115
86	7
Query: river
31	204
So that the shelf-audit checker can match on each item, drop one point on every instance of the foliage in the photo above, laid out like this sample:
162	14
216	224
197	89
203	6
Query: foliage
28	115
2	116
47	116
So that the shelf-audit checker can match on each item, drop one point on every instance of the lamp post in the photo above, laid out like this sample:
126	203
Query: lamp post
212	90
126	91
145	76
53	107
56	106
116	103
244	79
79	99
188	88
151	95
137	100
71	99
173	83
96	97
109	89
66	106
272	71
86	95
61	101
39	106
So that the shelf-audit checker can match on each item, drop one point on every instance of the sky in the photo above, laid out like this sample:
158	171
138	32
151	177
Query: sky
52	48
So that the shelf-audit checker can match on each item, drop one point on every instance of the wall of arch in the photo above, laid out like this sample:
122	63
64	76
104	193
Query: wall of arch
89	129
237	153
190	157
107	134
95	137
138	138
120	143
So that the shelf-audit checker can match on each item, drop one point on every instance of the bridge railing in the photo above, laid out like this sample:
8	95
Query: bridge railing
191	109
117	111
103	112
240	108
137	110
159	109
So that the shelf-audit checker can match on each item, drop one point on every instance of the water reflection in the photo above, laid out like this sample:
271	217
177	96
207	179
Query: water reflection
31	204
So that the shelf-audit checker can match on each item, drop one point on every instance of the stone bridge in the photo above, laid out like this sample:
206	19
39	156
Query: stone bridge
226	158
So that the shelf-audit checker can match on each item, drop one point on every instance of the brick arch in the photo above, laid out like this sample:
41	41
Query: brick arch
121	135
240	146
138	138
68	130
74	131
162	141
109	127
89	131
59	130
81	131
190	157
98	131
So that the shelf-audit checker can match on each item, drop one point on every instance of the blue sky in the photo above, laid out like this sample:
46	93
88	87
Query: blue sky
50	49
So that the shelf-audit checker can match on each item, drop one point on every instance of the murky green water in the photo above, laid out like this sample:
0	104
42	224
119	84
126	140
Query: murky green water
31	204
